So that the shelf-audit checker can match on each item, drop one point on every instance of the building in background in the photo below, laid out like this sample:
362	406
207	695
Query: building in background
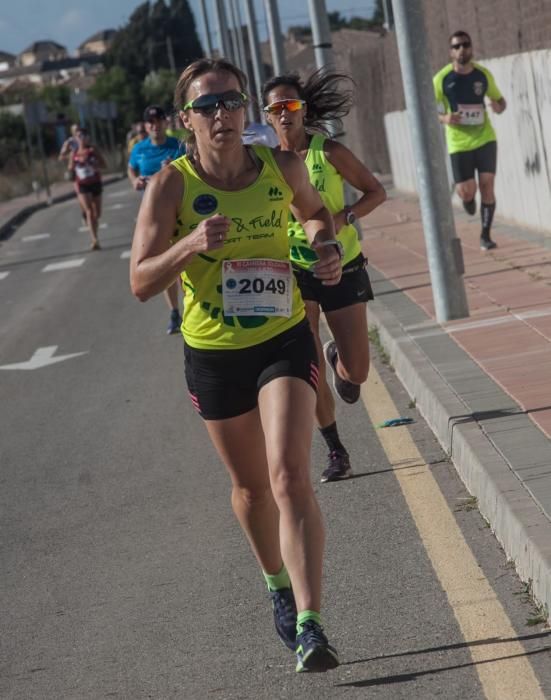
98	43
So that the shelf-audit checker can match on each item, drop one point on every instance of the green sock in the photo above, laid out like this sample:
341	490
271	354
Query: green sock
278	581
306	615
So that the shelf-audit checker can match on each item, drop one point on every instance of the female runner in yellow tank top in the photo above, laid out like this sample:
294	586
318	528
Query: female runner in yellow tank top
300	113
217	217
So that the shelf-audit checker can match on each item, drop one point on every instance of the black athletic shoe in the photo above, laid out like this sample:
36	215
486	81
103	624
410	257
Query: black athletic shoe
348	391
174	323
338	467
470	207
285	616
486	243
314	653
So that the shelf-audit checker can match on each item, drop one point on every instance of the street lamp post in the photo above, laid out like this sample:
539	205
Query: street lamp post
444	253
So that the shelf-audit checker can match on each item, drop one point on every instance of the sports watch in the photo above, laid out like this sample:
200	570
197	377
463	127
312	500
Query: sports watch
349	215
338	245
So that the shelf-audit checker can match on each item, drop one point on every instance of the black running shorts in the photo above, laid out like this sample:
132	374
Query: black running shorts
225	383
93	188
354	287
465	163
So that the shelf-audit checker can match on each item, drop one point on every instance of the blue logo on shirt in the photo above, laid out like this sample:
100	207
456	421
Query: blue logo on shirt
205	204
231	283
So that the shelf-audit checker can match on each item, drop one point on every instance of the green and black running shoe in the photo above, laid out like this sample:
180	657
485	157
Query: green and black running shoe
285	616
314	653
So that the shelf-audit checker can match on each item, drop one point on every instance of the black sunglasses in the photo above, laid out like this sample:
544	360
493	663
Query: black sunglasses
464	44
231	101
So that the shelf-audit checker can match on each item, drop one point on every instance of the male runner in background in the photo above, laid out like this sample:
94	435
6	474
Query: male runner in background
460	89
146	158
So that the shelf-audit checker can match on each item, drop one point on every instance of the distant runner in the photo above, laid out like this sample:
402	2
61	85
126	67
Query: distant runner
147	158
460	89
87	162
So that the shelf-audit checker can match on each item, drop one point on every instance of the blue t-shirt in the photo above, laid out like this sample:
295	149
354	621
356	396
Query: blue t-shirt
146	158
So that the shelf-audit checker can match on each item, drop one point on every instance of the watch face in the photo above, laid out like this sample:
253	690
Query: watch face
350	217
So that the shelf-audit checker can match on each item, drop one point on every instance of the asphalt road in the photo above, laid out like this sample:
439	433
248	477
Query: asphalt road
123	571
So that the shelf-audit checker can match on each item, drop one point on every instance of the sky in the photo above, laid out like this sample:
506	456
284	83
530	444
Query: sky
70	22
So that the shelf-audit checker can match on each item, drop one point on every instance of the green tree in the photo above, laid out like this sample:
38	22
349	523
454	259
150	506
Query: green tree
57	98
158	88
115	86
12	137
185	41
129	49
337	22
156	36
378	17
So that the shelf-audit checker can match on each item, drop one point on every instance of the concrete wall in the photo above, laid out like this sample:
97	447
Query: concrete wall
359	55
523	183
499	28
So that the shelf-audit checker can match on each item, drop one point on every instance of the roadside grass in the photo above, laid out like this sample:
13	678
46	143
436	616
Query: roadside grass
539	615
466	504
375	340
16	182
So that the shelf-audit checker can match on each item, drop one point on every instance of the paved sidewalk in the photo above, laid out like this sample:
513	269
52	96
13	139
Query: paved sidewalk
483	383
14	211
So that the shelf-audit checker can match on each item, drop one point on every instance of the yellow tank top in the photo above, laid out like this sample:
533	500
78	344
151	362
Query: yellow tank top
329	183
259	216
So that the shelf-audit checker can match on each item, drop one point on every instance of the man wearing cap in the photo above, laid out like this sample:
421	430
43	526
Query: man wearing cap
147	158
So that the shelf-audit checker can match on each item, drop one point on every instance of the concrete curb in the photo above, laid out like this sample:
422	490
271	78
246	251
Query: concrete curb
8	227
518	521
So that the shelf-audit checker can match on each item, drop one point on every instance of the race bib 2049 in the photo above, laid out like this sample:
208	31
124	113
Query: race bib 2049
257	287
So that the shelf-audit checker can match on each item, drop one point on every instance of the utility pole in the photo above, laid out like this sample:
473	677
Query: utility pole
222	30
321	33
236	14
204	18
276	40
230	35
444	253
28	125
323	51
258	68
170	54
239	45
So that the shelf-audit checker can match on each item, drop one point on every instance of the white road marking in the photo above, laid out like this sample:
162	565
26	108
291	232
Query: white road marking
125	254
117	206
63	265
118	194
36	237
42	358
3	275
85	228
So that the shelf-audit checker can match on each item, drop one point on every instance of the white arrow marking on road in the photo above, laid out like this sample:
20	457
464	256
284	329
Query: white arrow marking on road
42	358
3	275
85	228
125	254
64	265
36	237
117	206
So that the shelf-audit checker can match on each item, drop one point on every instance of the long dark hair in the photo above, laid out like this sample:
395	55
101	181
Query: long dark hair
326	98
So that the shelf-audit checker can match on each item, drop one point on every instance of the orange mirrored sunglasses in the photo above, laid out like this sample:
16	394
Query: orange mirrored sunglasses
280	105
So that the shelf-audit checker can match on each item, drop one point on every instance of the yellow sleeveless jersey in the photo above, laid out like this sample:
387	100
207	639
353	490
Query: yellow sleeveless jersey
259	215
329	183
